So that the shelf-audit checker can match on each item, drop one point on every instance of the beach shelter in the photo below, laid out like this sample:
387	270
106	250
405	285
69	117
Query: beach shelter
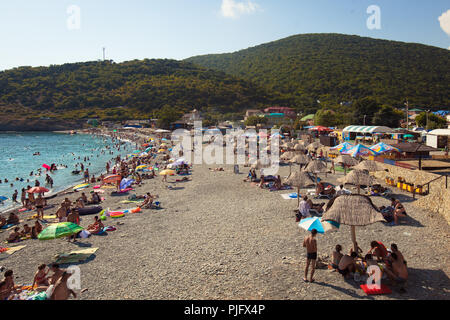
360	151
320	129
320	225
315	167
59	230
167	172
299	159
112	178
287	156
343	147
354	211
383	148
346	160
358	178
314	146
126	183
298	180
369	165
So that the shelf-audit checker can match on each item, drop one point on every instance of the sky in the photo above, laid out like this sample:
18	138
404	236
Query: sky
44	32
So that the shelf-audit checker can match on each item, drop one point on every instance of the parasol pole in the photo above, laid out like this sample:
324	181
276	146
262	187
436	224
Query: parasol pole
298	197
355	246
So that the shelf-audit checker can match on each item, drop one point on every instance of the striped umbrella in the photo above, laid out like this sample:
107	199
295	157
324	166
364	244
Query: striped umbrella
59	230
316	223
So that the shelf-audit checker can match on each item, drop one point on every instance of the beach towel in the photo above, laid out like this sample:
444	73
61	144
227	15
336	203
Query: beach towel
75	256
282	188
382	290
10	251
288	196
8	226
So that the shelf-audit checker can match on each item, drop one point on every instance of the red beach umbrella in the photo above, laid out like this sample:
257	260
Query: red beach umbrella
37	190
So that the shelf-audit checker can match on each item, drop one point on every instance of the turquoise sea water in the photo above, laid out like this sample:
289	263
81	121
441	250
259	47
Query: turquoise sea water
17	160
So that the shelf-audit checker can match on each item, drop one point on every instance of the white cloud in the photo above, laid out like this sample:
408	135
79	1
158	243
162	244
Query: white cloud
444	20
233	9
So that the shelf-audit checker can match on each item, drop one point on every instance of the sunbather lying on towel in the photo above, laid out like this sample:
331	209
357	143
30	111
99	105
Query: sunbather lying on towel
13	219
14	236
2	221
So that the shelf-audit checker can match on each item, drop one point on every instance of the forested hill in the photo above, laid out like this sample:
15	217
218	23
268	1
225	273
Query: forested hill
99	89
336	67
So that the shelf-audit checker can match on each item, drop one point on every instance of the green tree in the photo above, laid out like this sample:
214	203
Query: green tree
365	109
255	120
434	121
387	116
167	115
326	118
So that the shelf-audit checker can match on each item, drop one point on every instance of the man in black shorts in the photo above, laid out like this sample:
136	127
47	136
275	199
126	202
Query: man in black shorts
310	244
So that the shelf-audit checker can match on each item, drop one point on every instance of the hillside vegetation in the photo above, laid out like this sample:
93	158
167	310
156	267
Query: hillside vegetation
333	68
134	89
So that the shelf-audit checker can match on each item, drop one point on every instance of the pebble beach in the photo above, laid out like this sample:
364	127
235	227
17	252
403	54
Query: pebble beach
217	237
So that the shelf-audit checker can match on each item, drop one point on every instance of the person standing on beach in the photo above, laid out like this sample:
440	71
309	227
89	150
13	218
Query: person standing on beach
40	203
310	244
73	217
14	196
86	176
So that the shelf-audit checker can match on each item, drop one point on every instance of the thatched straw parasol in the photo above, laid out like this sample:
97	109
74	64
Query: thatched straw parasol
299	180
353	210
300	159
346	160
358	177
316	166
369	165
313	146
287	156
299	147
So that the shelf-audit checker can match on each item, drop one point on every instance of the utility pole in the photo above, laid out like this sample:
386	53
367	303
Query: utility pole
427	119
104	53
407	114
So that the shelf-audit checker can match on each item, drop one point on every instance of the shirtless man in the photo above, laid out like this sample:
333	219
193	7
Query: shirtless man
394	249
57	274
310	243
377	249
13	219
337	256
2	221
74	218
398	271
40	204
14	236
347	264
61	291
61	213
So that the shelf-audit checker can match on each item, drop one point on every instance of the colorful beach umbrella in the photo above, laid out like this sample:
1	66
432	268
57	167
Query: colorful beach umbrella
316	223
167	173
343	147
59	230
360	150
3	198
142	166
383	148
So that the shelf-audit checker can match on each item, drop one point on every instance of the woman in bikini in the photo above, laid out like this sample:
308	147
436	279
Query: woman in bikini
40	278
399	210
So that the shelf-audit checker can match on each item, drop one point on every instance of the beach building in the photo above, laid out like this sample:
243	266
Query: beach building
413	150
439	138
364	133
286	111
252	113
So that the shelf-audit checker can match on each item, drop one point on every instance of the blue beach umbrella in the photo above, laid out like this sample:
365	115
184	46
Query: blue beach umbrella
316	223
3	198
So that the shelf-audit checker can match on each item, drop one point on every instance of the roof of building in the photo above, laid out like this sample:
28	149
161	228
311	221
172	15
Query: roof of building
413	147
440	132
368	129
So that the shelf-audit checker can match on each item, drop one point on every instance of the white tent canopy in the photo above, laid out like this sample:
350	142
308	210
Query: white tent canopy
368	129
